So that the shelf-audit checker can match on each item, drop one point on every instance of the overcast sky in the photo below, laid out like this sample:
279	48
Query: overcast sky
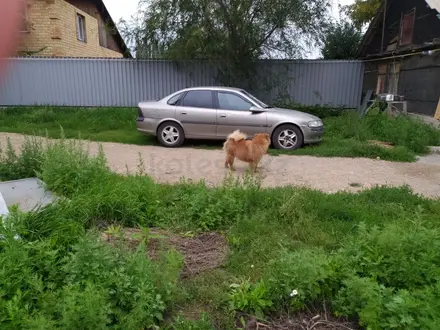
125	9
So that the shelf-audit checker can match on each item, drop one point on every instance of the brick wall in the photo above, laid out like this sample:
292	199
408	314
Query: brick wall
53	26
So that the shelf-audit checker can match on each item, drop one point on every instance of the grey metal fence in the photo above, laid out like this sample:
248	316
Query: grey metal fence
121	82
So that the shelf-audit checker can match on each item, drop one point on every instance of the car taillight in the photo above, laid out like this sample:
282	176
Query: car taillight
140	114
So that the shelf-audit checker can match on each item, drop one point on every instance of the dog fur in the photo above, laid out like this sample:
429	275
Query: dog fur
249	151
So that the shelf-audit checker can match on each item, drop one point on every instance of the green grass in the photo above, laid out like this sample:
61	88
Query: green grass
373	257
346	134
97	124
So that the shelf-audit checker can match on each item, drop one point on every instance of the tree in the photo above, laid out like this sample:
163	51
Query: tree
362	12
231	33
341	41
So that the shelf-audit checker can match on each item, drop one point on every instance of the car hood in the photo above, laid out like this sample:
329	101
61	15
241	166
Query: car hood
295	113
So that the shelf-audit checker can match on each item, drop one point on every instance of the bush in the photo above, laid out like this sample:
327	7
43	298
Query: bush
15	166
299	277
389	255
401	131
182	324
382	277
347	134
94	286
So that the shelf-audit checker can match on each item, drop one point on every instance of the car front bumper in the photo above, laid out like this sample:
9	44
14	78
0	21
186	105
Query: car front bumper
313	135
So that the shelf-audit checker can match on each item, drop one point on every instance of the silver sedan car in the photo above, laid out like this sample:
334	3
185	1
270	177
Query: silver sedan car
208	113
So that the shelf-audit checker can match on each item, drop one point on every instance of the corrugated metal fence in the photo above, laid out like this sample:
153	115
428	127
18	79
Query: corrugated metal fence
121	82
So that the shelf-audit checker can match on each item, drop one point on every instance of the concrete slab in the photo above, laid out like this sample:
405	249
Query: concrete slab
28	194
435	150
426	119
3	208
433	159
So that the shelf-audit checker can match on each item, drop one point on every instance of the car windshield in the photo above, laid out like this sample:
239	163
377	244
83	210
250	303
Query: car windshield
253	98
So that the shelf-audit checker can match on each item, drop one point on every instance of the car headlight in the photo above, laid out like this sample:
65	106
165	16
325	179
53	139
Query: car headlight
315	123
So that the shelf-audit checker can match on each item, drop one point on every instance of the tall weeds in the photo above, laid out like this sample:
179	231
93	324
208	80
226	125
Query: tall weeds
372	256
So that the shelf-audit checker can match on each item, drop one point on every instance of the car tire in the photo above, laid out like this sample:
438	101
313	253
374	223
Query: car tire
287	137
170	135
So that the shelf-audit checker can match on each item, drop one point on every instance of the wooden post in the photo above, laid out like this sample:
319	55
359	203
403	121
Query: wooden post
383	25
437	112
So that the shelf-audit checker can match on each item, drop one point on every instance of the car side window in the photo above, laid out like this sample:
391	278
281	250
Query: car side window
198	99
175	99
229	101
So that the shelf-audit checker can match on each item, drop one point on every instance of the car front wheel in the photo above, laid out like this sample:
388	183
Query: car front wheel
287	137
170	135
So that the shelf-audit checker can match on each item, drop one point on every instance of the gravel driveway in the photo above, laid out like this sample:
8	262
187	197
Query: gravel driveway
326	174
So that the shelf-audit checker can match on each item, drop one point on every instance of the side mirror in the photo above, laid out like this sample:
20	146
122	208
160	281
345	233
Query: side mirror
256	109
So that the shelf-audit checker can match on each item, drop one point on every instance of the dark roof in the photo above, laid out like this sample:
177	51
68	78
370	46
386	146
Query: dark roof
378	18
375	25
106	15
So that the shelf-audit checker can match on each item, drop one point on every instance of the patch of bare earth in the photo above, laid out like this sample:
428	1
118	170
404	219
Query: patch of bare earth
299	321
386	145
201	252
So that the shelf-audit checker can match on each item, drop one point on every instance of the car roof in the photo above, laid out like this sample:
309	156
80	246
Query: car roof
218	88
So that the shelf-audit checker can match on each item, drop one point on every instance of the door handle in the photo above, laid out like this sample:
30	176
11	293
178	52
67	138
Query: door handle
222	116
183	113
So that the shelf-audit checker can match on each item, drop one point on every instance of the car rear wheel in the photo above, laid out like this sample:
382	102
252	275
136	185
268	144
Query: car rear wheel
170	135
287	137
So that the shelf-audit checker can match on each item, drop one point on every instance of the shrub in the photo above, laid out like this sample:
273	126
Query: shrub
203	323
68	167
15	166
95	286
362	298
381	276
390	255
300	277
250	298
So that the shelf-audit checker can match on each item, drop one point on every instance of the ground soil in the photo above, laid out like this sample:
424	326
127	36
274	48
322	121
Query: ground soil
308	320
326	174
201	252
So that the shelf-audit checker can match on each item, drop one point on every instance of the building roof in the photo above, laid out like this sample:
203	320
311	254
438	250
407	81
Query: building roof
372	27
375	24
106	15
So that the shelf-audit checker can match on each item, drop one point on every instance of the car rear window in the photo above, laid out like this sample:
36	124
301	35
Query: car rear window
198	99
173	100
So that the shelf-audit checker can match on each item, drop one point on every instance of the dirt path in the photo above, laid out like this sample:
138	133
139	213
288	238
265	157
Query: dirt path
326	174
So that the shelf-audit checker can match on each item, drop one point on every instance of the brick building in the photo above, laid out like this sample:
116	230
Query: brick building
70	28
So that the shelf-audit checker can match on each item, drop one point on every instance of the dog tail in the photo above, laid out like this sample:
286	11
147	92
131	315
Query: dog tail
235	136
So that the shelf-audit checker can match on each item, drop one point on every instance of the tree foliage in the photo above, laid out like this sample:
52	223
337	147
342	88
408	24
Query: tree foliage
232	33
341	41
362	12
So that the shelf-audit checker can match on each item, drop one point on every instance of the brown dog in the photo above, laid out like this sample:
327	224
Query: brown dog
249	151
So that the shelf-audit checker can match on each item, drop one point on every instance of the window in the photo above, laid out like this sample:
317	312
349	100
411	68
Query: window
407	28
173	100
198	99
81	27
229	101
